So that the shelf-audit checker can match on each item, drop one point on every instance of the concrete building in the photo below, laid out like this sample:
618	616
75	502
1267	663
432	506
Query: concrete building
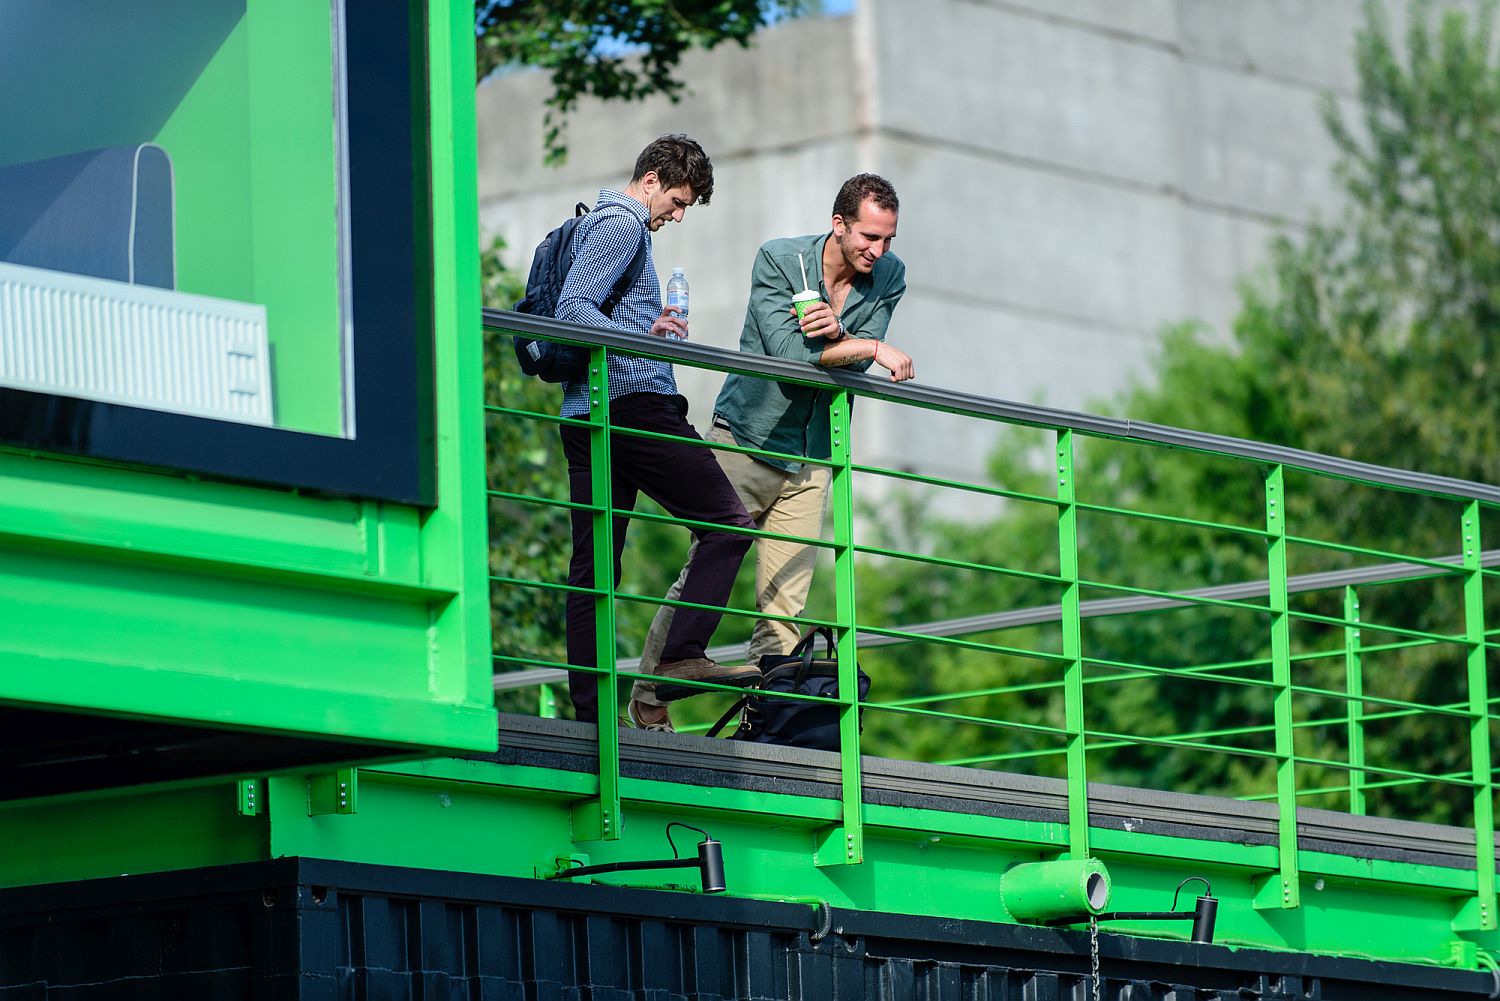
1075	176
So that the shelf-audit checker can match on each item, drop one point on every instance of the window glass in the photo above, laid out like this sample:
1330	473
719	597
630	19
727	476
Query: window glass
172	222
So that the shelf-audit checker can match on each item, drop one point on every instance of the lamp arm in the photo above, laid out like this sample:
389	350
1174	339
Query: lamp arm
590	870
1144	915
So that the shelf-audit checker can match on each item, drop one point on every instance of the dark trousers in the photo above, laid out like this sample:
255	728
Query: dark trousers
687	482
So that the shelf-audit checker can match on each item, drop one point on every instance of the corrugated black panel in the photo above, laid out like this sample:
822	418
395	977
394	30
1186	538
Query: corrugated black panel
323	931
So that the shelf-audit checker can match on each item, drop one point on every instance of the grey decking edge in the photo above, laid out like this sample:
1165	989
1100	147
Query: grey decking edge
795	771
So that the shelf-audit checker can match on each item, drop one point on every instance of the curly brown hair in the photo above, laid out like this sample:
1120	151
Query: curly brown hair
678	160
860	187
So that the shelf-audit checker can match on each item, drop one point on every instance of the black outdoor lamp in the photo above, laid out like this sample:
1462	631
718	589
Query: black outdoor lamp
710	862
1202	915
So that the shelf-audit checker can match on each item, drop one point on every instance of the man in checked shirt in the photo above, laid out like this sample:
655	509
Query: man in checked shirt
671	174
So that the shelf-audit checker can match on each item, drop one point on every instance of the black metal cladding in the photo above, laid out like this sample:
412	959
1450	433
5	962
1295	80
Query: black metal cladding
309	929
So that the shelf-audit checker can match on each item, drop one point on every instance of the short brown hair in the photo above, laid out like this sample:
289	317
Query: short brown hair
860	187
678	160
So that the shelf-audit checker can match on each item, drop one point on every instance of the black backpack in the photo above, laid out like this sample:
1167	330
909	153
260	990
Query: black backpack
549	360
765	719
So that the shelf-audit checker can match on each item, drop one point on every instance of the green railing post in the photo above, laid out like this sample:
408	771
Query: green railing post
1355	685
845	844
1072	651
600	820
1281	889
546	701
1479	722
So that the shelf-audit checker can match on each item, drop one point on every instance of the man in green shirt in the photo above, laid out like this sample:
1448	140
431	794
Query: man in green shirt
860	282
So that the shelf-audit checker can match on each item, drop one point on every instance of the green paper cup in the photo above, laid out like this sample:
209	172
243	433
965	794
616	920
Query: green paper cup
802	300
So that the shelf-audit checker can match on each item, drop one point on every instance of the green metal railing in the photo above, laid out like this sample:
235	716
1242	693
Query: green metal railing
1279	676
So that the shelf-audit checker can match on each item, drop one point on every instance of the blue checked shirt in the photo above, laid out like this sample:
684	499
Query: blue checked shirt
606	241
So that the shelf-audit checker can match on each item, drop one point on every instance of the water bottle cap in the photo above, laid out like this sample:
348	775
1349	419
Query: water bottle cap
676	271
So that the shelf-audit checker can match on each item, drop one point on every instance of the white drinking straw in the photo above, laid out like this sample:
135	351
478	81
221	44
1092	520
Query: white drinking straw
803	264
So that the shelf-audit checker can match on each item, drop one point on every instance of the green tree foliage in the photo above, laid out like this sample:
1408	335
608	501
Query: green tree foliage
610	49
1371	336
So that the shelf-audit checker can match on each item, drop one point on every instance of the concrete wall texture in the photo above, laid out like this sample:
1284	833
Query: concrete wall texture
1075	175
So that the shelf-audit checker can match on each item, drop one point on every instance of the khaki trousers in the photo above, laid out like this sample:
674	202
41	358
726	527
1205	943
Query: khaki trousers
778	501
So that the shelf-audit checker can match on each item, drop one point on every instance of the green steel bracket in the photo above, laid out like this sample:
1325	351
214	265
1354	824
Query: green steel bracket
838	845
844	844
1463	954
335	793
1479	721
249	797
594	821
1072	650
1474	915
601	819
1282	890
1273	890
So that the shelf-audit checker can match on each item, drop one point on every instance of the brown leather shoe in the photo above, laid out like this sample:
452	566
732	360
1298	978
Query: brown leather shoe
699	669
662	724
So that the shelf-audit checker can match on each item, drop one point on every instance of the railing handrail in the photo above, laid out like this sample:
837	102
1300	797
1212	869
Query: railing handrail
1030	415
842	843
1038	614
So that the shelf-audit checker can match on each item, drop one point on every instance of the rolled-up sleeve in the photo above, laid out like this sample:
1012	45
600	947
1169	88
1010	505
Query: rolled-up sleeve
874	326
770	308
605	251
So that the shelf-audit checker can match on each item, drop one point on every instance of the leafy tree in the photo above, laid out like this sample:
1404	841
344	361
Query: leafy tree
609	49
1372	336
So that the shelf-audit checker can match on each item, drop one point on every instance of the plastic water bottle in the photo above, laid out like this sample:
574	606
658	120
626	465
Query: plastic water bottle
677	297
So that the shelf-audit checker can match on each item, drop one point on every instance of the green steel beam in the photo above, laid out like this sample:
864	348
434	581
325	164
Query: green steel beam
1354	682
1072	651
460	523
384	721
601	819
1283	889
844	844
1479	724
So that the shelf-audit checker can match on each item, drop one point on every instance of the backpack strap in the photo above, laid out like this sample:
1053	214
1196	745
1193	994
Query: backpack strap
632	270
733	710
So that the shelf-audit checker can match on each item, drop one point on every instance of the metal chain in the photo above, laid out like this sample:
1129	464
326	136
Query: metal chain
1094	953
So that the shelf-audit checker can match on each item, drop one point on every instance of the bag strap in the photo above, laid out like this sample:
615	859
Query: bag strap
632	273
733	710
807	646
808	640
632	270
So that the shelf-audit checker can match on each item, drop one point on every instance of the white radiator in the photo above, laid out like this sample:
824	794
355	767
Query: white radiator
73	335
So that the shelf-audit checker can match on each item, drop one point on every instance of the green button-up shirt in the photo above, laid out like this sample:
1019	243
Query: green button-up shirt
794	419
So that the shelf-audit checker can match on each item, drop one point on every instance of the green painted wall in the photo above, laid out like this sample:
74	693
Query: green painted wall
480	817
96	837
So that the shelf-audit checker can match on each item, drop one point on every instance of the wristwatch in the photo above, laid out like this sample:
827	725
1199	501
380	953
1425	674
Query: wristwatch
840	321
